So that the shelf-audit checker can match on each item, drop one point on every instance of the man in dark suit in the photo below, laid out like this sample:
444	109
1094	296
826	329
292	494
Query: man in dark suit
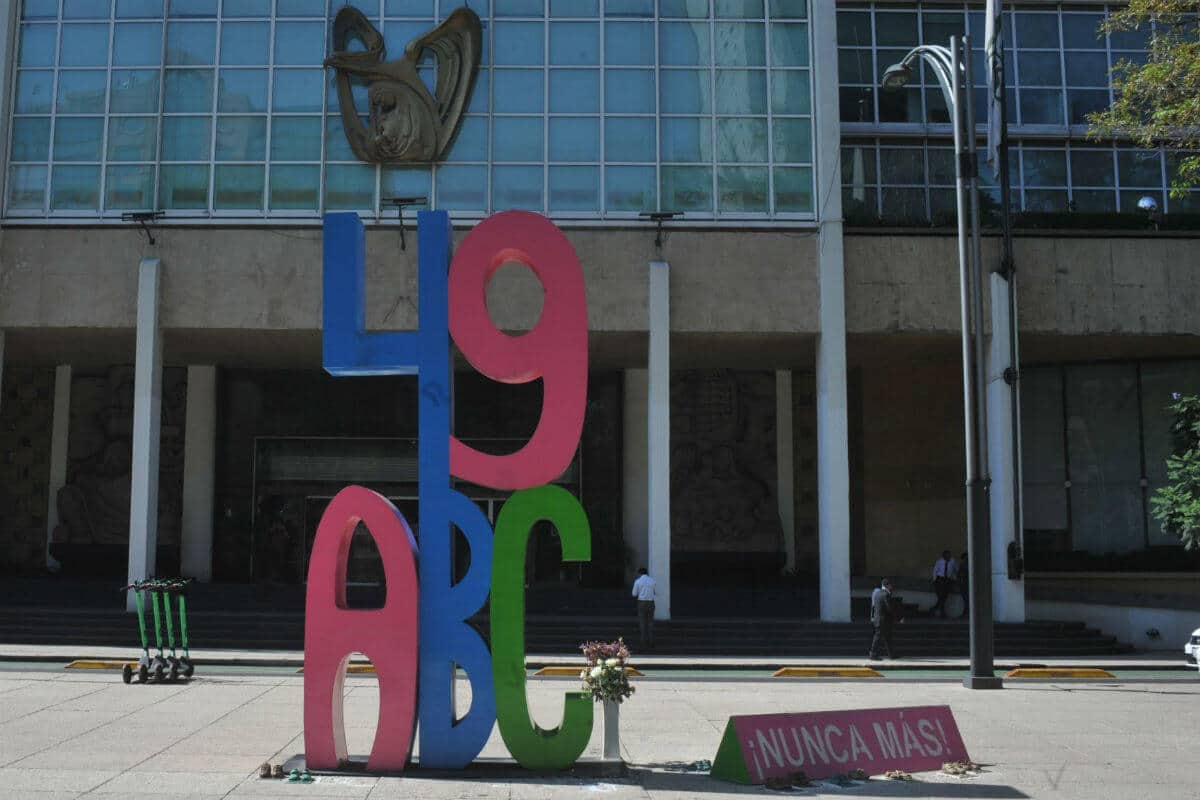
883	617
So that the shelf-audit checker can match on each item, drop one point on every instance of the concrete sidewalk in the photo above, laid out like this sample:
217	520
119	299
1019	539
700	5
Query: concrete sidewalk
70	735
1158	660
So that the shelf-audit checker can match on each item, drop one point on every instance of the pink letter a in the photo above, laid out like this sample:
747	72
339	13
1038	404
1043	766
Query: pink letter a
387	636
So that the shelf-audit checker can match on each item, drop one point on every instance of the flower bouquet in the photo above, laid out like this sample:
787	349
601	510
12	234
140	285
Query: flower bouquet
604	676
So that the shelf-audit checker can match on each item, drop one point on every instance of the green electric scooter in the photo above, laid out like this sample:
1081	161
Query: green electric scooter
159	666
180	665
143	665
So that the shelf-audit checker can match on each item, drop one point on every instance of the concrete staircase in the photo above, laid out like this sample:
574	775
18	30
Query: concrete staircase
553	635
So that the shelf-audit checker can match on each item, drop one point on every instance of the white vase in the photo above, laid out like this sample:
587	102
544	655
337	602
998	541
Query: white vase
612	730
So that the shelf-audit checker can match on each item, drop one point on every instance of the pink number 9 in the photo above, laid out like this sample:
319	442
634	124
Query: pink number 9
555	350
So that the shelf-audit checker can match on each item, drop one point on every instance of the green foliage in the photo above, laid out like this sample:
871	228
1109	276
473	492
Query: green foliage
1177	505
1159	102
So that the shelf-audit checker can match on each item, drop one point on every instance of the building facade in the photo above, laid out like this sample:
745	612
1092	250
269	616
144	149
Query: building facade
775	391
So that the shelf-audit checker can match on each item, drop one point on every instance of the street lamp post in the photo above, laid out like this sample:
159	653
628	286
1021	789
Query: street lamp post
952	67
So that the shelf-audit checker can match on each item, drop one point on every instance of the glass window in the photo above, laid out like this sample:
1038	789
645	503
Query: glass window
75	188
245	42
742	189
27	188
300	43
194	8
132	138
405	182
84	45
517	139
792	140
37	45
630	189
78	138
31	139
241	138
1036	29
1082	31
129	186
519	43
295	187
242	90
133	91
300	8
238	187
1044	167
520	8
1107	513
739	9
629	43
462	187
686	139
631	91
790	92
629	139
574	91
191	43
39	9
687	188
741	92
82	92
183	186
518	91
471	144
793	189
35	88
685	91
574	139
742	44
684	43
188	91
1139	167
574	188
186	138
246	8
574	8
629	8
789	45
742	140
574	43
349	187
138	44
517	187
1092	167
296	139
297	90
139	8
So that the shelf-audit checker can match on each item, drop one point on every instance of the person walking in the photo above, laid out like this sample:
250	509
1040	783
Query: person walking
644	590
883	619
945	571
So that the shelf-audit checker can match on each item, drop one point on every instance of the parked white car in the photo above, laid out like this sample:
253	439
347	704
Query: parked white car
1192	649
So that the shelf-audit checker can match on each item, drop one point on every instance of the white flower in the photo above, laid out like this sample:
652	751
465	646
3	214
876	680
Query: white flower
613	662
583	675
596	671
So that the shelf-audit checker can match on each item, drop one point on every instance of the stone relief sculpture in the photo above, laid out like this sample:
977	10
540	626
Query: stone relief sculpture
406	122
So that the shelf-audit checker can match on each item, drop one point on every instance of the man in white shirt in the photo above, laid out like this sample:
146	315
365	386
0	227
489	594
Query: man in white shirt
644	591
945	575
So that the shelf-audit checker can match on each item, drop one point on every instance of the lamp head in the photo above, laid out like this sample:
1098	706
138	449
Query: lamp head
897	75
1148	205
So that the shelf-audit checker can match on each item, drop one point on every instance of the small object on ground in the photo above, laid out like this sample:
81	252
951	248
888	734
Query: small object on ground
305	776
779	783
800	779
277	771
961	767
859	775
898	775
293	776
264	771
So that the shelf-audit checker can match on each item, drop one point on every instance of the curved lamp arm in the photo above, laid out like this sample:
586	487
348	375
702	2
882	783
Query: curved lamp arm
939	60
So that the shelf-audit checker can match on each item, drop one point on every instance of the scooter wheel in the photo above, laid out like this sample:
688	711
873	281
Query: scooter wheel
173	672
189	669
158	672
127	673
143	673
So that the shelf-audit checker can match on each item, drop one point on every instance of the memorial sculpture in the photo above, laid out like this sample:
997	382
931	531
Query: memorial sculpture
406	122
422	595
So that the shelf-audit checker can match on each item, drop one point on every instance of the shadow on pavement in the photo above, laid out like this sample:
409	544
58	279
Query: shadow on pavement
650	778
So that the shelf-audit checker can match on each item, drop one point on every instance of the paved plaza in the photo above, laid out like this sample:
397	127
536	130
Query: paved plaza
78	734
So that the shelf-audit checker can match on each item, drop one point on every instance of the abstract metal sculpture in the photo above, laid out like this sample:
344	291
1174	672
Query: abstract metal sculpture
406	122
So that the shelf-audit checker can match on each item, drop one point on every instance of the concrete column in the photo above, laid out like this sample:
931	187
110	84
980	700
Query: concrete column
833	446
1008	597
636	480
59	437
199	463
784	468
147	423
658	435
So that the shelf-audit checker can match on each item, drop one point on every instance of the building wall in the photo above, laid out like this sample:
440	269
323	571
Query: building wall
1070	286
270	279
26	412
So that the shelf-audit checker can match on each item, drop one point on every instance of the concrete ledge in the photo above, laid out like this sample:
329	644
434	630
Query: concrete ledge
1062	672
826	672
